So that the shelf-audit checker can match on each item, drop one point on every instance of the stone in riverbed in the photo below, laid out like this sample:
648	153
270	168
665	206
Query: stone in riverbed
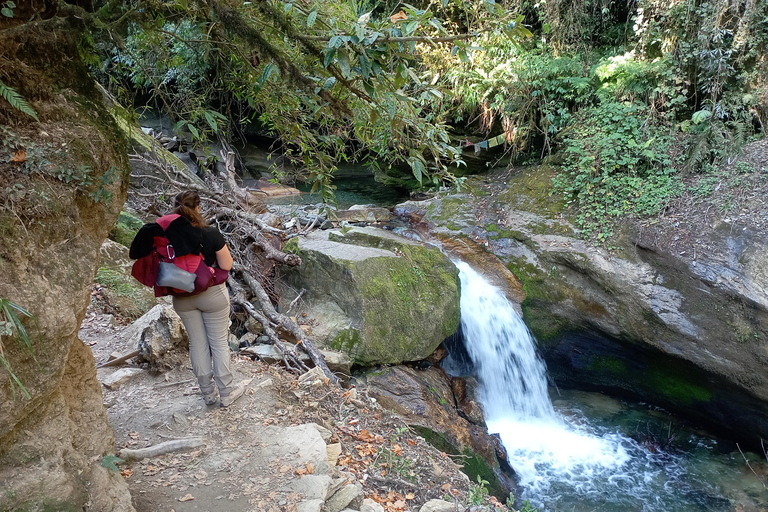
376	296
363	214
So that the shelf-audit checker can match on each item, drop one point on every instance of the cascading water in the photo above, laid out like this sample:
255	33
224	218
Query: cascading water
565	462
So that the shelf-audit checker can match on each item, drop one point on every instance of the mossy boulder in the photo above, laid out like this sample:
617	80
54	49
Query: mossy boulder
125	229
124	295
376	296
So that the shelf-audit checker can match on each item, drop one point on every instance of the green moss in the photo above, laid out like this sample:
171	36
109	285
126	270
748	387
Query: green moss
125	229
497	233
417	289
292	246
677	389
346	340
445	211
608	364
531	190
126	295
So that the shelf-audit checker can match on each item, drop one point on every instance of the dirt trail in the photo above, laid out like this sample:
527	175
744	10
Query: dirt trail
255	456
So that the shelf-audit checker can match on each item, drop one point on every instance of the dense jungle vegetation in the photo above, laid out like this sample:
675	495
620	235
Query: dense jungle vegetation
629	95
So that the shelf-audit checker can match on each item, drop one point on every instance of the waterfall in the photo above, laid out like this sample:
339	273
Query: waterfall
543	448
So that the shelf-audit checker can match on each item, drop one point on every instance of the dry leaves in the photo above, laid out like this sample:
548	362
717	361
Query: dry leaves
126	473
19	156
393	501
308	470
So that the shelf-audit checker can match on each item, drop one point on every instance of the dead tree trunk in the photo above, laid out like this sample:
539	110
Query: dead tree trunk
285	322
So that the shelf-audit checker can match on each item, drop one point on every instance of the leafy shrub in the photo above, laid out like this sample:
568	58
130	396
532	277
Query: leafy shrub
616	163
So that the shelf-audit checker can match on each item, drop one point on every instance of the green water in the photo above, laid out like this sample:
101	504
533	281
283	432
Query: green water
349	191
675	468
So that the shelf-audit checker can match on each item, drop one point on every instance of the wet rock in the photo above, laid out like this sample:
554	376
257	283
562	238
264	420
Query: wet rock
377	297
465	391
426	401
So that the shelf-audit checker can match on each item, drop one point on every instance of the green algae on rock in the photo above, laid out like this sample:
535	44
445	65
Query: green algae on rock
378	297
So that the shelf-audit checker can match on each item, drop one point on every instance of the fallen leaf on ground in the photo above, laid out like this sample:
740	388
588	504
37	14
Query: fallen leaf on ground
126	473
19	156
187	497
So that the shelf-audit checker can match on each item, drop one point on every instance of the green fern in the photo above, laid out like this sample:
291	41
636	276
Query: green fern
11	326
16	101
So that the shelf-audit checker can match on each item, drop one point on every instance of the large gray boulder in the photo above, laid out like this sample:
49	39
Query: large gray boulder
376	296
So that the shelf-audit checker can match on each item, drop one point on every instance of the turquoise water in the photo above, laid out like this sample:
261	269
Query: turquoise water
350	191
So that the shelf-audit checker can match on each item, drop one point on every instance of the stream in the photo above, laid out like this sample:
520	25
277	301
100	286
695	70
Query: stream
580	452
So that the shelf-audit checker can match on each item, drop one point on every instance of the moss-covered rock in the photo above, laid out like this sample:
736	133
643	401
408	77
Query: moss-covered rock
125	229
377	305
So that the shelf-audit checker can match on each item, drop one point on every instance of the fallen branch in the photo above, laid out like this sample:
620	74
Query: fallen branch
171	384
119	360
290	359
294	301
250	217
160	449
285	321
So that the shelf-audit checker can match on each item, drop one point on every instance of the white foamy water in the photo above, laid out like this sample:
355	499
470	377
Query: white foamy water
543	448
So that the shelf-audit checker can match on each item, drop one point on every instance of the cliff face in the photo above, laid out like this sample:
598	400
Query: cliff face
63	181
675	313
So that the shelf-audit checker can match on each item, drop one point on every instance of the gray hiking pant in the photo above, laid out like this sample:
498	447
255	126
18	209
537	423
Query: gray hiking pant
206	318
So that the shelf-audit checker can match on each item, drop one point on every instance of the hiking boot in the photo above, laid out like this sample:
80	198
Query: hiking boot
211	398
236	393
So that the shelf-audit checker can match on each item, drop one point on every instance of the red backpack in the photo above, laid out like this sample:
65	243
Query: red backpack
146	269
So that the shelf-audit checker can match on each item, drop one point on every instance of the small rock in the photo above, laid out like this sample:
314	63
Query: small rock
370	506
264	384
120	377
254	326
334	451
441	506
180	419
310	506
234	343
345	496
324	432
248	339
314	377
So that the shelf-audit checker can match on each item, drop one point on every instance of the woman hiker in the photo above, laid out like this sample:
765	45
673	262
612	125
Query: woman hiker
206	314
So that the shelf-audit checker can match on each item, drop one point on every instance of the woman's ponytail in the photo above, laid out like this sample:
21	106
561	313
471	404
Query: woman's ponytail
186	204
